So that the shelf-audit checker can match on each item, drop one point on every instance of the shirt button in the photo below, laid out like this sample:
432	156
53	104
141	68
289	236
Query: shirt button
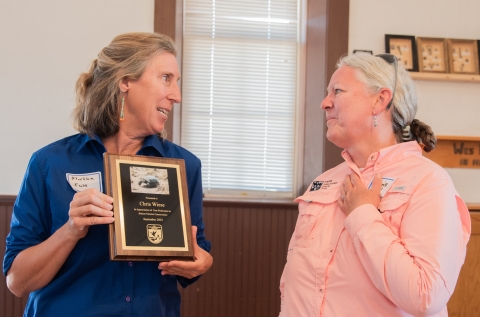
130	263
127	298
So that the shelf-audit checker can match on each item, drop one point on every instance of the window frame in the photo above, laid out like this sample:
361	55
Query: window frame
298	122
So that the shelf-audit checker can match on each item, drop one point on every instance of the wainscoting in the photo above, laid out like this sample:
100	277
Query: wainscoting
10	305
465	301
249	248
249	245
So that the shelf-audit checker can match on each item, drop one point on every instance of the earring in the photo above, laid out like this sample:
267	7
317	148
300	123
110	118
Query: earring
375	121
122	117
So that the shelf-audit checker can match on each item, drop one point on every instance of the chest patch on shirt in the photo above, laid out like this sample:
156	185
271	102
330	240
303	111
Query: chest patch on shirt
386	184
81	182
323	185
316	185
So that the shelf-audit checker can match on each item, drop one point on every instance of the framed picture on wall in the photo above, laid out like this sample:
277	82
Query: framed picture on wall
463	56
432	54
404	48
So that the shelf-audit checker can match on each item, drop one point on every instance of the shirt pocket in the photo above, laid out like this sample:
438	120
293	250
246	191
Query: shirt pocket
308	222
392	206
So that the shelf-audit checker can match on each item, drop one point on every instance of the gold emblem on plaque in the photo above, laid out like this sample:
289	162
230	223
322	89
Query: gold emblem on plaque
154	233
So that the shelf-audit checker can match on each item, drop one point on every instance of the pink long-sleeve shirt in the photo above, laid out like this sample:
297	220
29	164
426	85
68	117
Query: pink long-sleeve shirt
404	261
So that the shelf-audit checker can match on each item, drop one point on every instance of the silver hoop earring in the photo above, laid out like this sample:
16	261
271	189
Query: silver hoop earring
375	121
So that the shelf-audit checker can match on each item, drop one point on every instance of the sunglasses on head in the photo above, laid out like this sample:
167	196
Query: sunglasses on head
391	59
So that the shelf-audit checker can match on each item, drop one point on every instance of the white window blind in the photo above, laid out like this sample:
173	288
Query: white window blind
239	86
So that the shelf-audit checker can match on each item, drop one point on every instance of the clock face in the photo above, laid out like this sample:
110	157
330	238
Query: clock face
432	55
463	58
402	49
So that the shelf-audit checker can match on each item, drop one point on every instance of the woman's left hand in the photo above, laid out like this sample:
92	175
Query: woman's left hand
355	194
203	261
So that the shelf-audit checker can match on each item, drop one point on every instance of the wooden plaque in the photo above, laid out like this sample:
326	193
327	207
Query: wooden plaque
151	208
456	152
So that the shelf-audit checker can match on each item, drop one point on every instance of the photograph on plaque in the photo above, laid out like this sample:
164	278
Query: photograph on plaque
151	209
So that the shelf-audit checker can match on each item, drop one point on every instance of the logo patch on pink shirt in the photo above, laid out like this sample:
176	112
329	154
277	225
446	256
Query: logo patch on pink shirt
316	185
323	185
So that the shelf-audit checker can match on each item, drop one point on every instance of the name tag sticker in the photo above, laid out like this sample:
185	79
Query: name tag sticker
80	182
386	184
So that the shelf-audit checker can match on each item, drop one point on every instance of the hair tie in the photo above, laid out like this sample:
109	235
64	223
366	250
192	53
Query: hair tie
407	134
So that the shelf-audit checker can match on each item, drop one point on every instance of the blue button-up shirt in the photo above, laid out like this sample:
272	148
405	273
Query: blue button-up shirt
88	283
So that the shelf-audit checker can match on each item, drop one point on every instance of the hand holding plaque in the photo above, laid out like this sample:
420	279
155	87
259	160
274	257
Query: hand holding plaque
203	261
151	208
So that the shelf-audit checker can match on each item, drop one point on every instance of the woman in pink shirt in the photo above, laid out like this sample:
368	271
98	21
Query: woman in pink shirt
385	232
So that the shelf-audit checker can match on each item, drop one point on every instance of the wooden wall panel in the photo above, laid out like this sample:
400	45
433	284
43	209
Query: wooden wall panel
249	248
465	301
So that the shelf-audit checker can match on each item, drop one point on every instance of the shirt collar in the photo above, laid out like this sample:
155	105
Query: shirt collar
86	139
386	156
151	142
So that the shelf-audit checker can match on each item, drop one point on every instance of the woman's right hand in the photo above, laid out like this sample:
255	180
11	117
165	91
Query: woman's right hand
88	208
36	266
355	193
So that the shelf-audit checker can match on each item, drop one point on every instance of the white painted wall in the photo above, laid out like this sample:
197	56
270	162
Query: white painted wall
44	46
450	108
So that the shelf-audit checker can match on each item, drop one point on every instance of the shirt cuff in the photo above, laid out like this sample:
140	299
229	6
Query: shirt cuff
360	217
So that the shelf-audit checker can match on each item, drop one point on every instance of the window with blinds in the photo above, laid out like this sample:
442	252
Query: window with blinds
239	93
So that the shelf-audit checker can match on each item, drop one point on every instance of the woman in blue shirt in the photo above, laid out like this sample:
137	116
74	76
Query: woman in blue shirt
57	250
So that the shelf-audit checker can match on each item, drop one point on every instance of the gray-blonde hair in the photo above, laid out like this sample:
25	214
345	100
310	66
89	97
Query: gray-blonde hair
375	73
98	93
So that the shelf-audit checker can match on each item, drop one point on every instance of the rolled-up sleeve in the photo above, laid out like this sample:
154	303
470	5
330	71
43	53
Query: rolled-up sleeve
31	223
